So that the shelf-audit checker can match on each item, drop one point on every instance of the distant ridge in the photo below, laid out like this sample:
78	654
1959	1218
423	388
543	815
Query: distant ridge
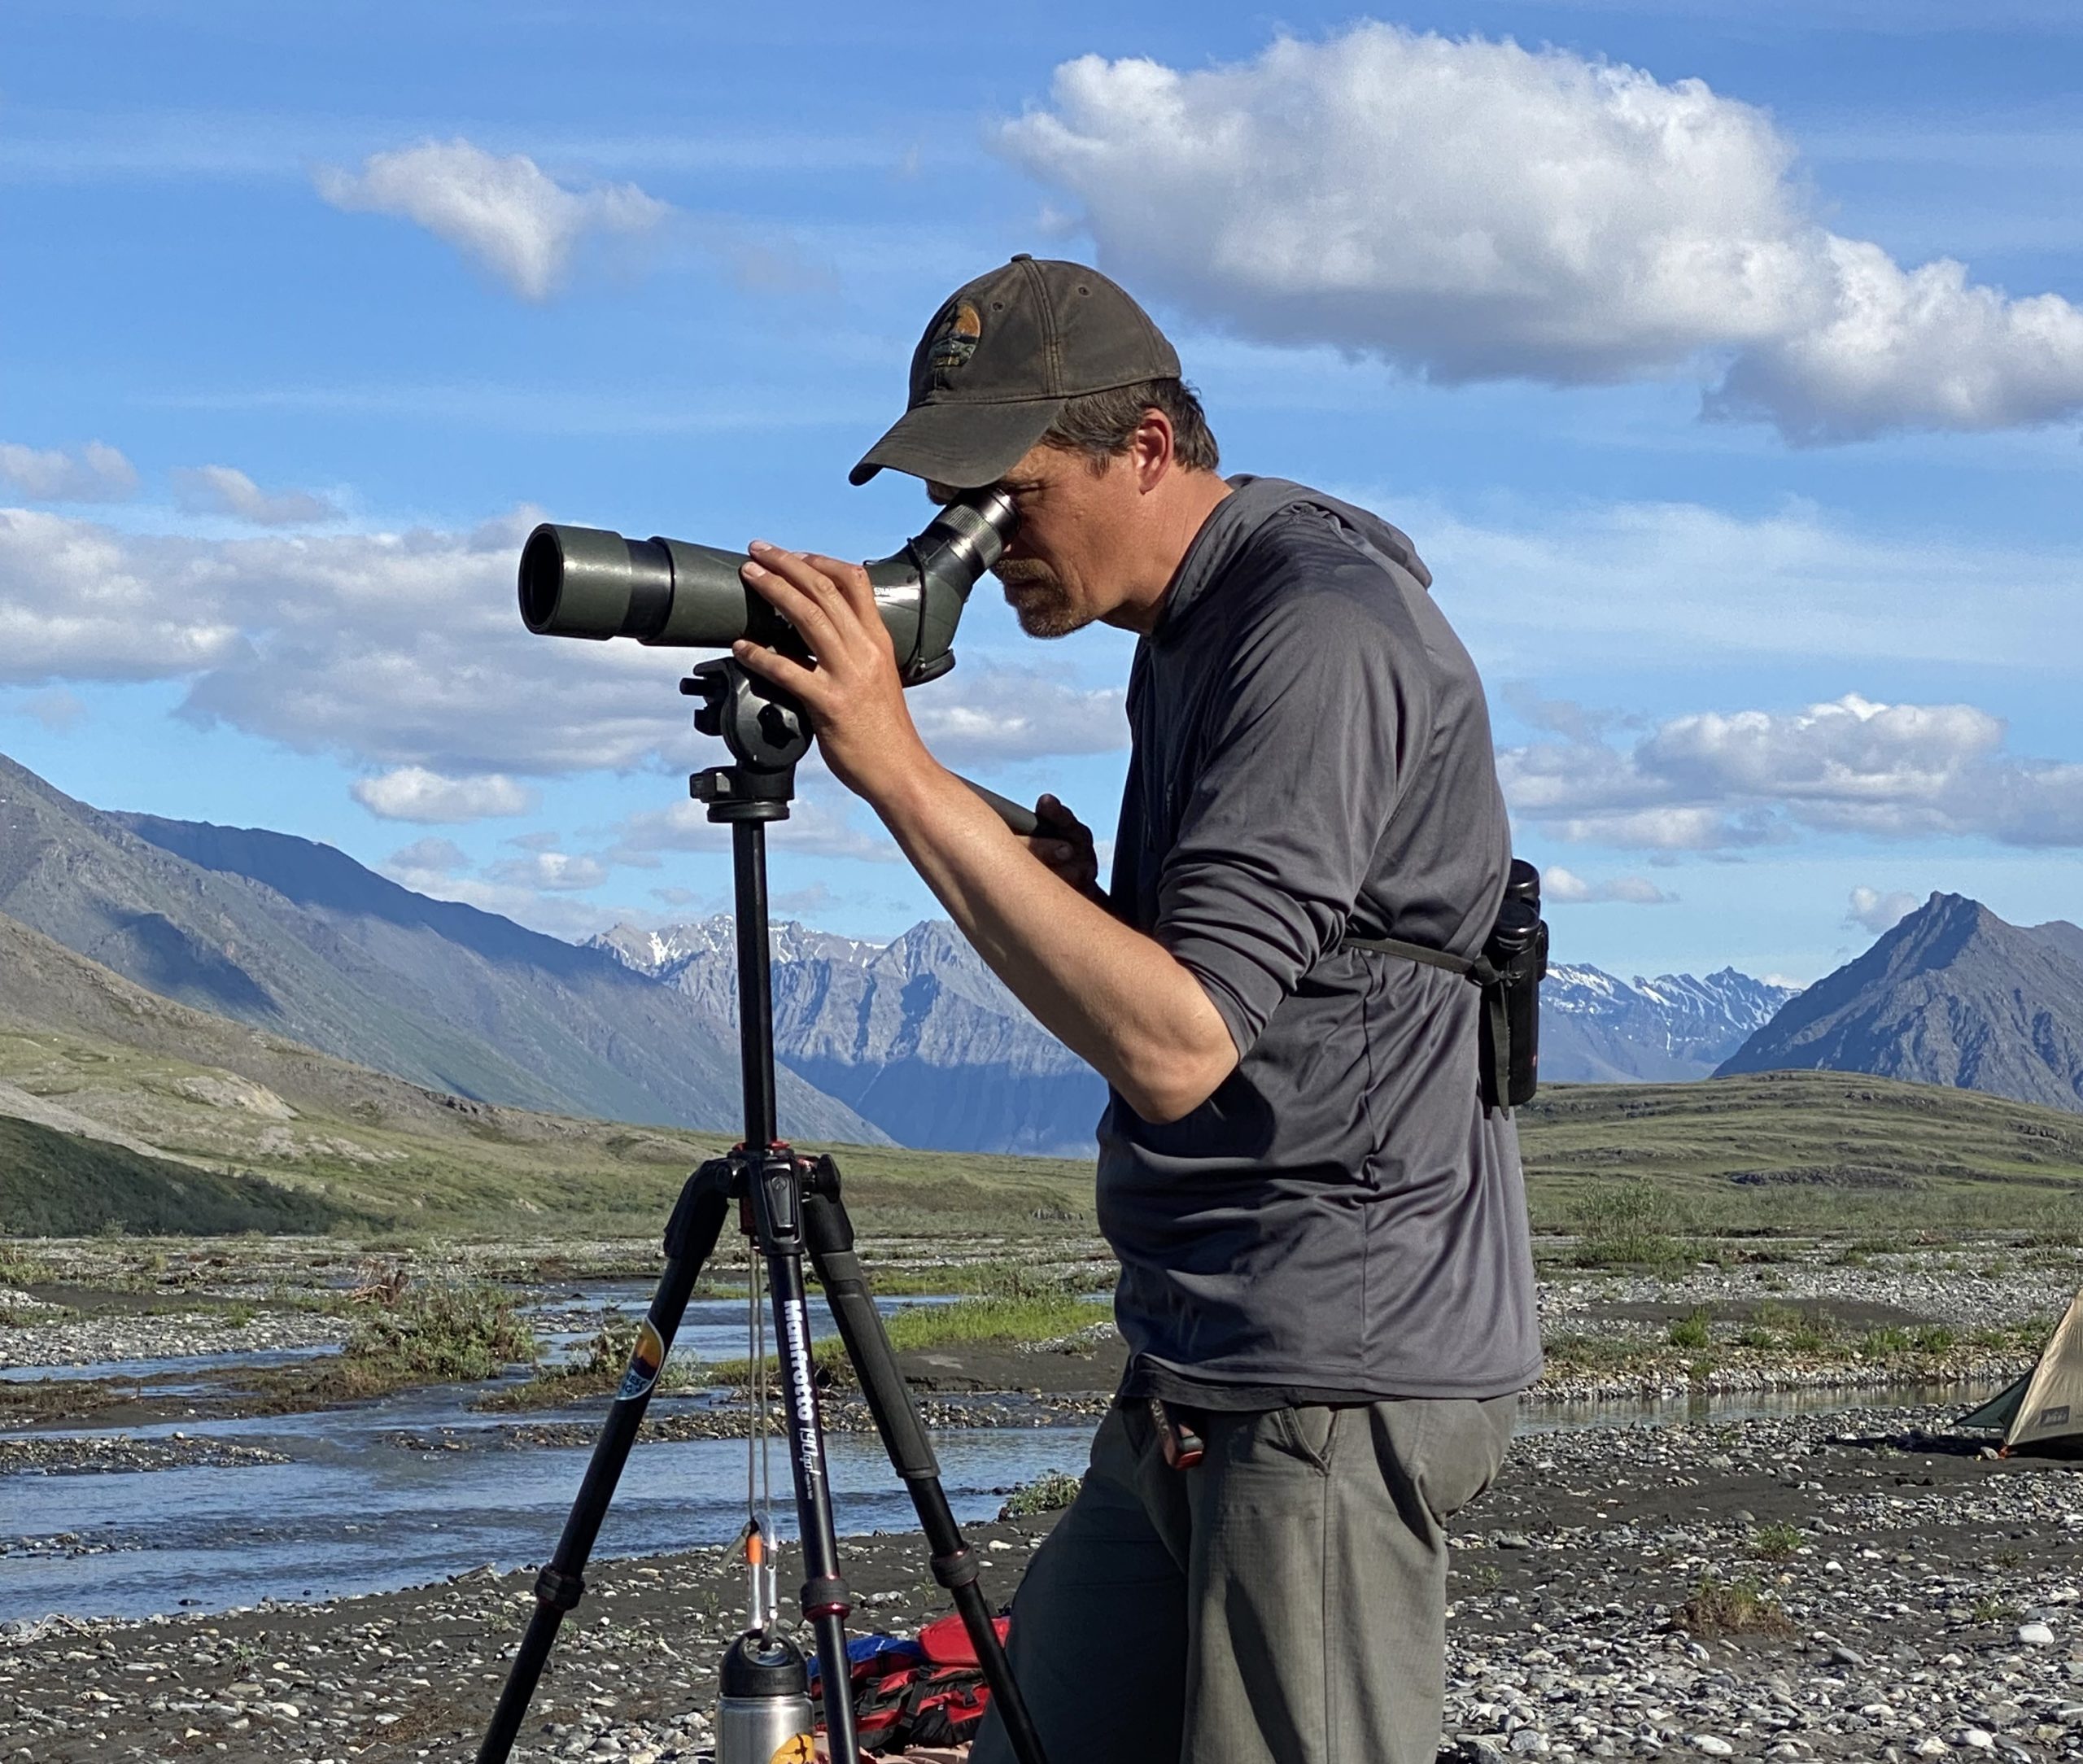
297	939
1598	1028
120	1078
917	1034
1952	995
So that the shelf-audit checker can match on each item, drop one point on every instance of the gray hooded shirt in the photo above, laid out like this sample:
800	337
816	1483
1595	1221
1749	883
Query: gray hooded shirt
1342	1221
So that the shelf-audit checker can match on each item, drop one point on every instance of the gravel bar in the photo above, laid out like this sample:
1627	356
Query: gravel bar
1902	1595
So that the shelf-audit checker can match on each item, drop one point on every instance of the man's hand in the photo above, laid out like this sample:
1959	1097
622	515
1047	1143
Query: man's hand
852	693
1064	844
1113	996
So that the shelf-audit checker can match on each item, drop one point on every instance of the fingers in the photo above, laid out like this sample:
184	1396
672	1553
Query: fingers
1072	862
790	586
777	669
852	581
830	602
1050	810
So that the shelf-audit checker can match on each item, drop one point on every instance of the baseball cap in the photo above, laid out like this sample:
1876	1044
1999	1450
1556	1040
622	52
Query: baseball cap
1001	359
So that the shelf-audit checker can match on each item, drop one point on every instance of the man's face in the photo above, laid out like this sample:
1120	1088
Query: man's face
1072	522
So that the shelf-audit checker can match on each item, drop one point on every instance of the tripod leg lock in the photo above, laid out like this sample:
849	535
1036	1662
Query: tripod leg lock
827	1595
561	1592
956	1570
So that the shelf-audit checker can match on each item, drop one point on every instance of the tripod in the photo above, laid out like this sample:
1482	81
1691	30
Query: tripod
790	1207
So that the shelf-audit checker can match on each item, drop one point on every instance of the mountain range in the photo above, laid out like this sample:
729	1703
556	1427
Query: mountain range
920	1036
1596	1029
913	1041
917	1034
1952	995
296	939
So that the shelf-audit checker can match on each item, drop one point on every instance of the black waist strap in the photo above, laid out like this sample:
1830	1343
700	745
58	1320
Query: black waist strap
1414	952
1496	1082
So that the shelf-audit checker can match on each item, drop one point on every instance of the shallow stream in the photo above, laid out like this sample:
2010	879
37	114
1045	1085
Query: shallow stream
356	1511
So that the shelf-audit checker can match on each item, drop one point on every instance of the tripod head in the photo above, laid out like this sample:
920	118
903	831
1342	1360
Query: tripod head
766	732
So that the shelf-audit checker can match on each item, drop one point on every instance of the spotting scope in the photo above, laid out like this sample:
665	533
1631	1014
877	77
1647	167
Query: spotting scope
585	582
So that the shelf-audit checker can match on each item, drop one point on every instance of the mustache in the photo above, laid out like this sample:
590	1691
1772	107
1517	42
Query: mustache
1022	572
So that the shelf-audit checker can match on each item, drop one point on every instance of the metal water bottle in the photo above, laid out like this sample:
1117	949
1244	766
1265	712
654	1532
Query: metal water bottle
765	1716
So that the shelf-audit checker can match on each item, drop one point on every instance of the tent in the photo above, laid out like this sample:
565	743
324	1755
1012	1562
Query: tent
2044	1409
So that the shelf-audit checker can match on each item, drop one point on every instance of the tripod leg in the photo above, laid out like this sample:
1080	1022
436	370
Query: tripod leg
690	1237
777	1210
828	1234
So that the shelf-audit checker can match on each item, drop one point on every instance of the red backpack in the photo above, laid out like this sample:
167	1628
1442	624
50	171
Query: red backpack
930	1691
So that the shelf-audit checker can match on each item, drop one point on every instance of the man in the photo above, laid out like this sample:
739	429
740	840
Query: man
1324	1269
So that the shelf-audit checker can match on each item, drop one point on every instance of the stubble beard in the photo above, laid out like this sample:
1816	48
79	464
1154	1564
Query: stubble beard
1036	595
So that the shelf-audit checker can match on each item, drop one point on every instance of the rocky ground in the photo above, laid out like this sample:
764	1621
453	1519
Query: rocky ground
47	1334
1858	1586
1817	1318
1861	1584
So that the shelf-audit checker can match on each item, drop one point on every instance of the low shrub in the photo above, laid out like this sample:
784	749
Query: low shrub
1632	1224
1050	1492
1738	1607
1690	1332
1775	1541
444	1334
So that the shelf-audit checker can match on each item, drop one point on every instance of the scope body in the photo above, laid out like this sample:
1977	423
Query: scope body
586	582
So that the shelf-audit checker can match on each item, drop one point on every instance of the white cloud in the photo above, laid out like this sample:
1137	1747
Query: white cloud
1558	883
225	489
506	212
985	716
431	856
405	652
413	794
556	915
561	871
1473	210
83	602
98	473
807	902
393	650
1665	830
814	828
1870	910
58	711
1711	780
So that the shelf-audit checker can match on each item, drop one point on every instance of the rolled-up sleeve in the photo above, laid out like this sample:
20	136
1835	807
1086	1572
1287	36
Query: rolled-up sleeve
1303	762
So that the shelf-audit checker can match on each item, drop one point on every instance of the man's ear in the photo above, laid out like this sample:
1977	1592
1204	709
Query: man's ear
1150	450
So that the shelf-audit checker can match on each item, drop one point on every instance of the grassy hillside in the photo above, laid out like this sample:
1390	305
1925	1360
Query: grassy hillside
468	1167
87	1055
1809	1151
59	1185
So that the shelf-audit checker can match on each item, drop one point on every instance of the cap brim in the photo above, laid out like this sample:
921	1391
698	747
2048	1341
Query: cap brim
964	445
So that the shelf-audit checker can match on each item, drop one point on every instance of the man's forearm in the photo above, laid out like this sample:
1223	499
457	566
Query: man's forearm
1113	996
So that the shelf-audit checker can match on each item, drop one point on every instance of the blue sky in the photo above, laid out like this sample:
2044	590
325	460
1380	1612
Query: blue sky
1762	523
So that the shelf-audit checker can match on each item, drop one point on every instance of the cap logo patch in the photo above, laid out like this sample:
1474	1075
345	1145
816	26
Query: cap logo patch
956	343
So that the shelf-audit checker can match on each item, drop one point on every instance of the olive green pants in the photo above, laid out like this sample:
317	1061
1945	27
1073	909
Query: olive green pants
1282	1603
